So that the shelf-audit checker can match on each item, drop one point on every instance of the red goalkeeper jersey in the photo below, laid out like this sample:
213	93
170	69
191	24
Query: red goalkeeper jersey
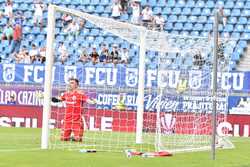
74	105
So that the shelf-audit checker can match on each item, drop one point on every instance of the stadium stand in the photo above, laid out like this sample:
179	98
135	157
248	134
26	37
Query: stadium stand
190	17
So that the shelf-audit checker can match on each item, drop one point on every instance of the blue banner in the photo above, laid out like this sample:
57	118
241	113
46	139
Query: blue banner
124	77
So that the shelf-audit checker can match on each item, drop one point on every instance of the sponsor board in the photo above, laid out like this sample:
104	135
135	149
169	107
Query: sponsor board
125	121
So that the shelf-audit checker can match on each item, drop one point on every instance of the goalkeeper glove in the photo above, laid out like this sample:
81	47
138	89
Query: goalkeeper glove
55	100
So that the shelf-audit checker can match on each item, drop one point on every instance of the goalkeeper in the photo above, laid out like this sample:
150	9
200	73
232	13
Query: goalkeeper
73	117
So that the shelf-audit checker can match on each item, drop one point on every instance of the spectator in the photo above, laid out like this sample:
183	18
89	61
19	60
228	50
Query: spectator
147	16
20	55
66	20
104	55
124	5
198	59
11	100
38	15
94	55
17	38
159	22
84	58
136	11
115	54
19	18
27	59
73	29
8	33
34	51
63	53
116	10
8	10
124	56
42	53
222	16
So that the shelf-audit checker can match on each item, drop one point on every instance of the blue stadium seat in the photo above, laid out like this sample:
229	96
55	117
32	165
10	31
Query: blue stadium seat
232	20
206	12
104	2
227	12
243	20
229	28
190	4
225	34
219	3
239	28
188	26
198	27
168	26
229	4
236	12
91	9
235	35
171	3
172	18
204	33
195	33
210	4
196	11
235	56
166	11
184	33
181	3
246	36
161	3
200	4
208	27
99	9
94	2
178	26
192	19
157	10
182	18
202	19
242	43
239	5
247	28
247	5
245	12
176	11
152	2
186	11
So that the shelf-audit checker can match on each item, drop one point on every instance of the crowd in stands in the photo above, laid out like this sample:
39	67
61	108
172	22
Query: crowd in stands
104	55
139	16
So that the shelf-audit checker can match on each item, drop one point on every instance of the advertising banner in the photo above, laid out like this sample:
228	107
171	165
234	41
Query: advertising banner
113	120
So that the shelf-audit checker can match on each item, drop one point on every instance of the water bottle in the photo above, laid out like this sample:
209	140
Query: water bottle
148	155
87	151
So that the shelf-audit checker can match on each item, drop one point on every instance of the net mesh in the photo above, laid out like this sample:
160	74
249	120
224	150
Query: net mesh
177	113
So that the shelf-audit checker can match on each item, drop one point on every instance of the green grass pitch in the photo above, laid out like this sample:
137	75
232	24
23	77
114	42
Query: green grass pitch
20	147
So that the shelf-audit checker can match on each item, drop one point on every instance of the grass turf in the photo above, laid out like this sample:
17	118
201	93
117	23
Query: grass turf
17	149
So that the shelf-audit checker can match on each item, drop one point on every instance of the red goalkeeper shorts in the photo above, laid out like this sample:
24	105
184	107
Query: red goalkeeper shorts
68	128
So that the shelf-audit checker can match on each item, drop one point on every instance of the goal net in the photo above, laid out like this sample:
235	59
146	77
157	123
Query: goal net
157	99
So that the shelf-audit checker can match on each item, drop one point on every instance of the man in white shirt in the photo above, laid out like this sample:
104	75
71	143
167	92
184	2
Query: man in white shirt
38	15
159	22
124	55
116	10
147	16
136	12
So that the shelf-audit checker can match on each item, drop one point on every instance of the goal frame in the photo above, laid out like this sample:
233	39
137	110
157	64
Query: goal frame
52	9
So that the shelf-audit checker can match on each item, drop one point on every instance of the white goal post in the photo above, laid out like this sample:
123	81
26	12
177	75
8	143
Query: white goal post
146	40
